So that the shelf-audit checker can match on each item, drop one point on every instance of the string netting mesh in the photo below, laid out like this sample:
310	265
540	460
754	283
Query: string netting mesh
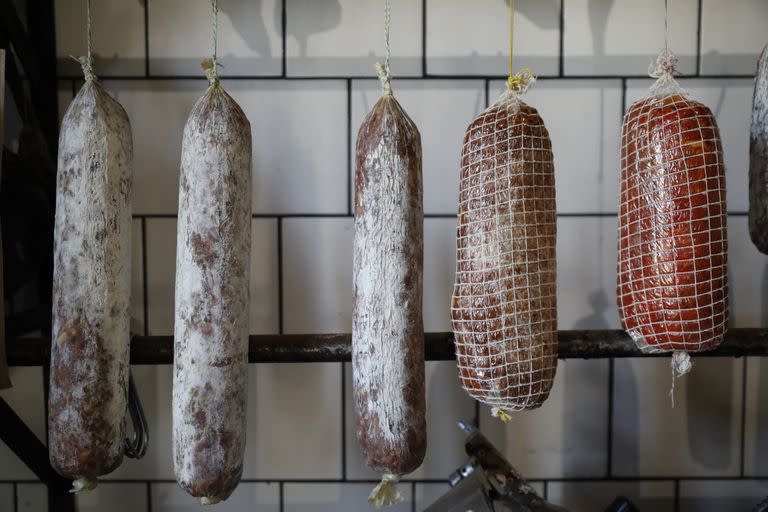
672	289
504	301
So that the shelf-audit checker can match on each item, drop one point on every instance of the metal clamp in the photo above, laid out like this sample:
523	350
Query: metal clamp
136	448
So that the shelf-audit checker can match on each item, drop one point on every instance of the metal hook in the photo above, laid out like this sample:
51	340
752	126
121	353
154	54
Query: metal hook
136	448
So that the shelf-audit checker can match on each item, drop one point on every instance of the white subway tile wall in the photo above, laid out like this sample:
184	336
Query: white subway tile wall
303	72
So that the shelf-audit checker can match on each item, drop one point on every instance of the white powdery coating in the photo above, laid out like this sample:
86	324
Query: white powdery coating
387	329
212	275
758	162
91	286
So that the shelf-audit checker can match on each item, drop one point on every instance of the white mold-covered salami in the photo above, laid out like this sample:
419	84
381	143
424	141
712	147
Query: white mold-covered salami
387	327
758	159
212	273
91	288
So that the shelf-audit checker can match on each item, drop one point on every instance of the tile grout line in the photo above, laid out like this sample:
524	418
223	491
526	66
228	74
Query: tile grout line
743	417
349	148
561	63
423	39
343	423
609	430
281	500
413	497
677	495
284	42
149	496
16	497
280	309
146	38
145	294
698	37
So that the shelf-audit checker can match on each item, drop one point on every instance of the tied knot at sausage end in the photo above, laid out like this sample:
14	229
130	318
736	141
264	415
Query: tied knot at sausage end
385	494
83	485
385	78
681	364
664	70
86	64
209	500
211	67
498	412
520	81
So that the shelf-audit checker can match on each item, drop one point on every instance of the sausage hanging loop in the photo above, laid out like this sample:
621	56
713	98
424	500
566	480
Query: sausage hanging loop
385	77
385	494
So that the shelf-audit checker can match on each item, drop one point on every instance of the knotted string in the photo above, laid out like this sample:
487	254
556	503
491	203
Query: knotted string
385	494
211	65
383	69
665	67
517	82
498	412
86	62
681	364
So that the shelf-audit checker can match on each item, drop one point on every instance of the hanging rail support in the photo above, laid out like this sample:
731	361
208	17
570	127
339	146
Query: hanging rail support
331	348
34	454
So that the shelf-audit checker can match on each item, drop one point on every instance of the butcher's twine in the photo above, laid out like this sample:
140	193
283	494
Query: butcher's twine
82	485
86	62
681	364
664	70
385	77
517	82
498	412
385	494
211	65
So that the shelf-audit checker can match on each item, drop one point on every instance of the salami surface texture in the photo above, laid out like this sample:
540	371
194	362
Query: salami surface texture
672	290
212	276
91	288
758	159
387	326
504	309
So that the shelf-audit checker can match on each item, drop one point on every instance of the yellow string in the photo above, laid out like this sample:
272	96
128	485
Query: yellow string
511	36
504	416
516	81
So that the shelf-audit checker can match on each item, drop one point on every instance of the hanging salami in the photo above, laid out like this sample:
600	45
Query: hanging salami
672	290
91	286
758	158
504	300
387	326
210	380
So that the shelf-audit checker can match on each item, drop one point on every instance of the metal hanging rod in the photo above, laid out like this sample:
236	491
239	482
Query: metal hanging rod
330	348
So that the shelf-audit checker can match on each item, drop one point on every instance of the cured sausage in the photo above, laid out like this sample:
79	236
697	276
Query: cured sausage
387	326
672	290
504	306
758	159
91	288
212	275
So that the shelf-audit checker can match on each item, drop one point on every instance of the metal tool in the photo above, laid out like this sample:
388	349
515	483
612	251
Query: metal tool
488	483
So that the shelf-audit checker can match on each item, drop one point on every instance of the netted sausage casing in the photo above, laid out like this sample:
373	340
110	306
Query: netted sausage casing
672	289
504	310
